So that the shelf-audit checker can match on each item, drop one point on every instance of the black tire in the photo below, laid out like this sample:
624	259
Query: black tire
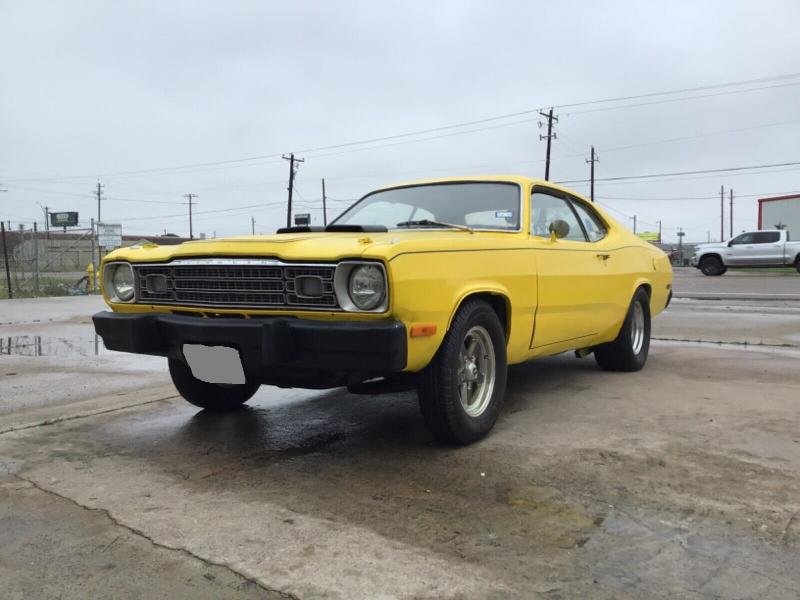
210	396
624	354
797	264
712	266
440	386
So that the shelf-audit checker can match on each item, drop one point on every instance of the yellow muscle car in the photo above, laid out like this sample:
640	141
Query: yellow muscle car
435	285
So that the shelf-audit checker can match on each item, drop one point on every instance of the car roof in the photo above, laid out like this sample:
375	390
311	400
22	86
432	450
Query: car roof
521	180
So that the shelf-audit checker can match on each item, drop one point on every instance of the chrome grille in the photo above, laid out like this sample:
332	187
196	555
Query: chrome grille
234	285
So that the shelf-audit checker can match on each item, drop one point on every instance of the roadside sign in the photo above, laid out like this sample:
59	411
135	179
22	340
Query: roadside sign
649	236
302	219
109	235
63	219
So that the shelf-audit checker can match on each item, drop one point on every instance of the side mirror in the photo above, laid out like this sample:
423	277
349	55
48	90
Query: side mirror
558	229
730	243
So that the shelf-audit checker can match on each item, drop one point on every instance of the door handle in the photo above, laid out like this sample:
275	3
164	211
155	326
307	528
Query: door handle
603	256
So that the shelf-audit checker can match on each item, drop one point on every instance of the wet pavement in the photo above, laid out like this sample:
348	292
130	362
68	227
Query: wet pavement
682	480
690	282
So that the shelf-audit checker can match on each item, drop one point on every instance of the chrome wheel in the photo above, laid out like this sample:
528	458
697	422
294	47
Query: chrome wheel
637	328
476	371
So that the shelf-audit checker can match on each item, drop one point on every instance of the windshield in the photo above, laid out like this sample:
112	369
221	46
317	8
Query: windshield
477	205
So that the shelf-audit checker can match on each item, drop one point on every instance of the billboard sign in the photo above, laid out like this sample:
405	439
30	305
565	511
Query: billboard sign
63	219
109	235
649	236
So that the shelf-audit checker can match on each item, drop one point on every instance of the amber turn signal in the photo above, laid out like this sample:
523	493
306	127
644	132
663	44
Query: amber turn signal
423	330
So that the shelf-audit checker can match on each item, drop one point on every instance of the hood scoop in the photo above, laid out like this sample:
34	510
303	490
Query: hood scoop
301	229
335	229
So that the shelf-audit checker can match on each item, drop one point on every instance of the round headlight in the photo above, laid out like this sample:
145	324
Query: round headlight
122	282
367	287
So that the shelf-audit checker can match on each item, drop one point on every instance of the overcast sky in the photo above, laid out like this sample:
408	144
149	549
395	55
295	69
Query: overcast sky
92	89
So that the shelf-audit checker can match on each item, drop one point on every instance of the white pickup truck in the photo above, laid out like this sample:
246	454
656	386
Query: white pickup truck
766	248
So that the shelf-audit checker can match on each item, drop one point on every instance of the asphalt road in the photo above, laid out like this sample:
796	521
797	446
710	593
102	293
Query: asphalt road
682	480
690	282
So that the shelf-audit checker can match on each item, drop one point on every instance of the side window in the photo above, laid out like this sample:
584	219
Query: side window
591	222
546	208
766	237
744	238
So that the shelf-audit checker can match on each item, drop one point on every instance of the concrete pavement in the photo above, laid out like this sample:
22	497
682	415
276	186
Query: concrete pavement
681	480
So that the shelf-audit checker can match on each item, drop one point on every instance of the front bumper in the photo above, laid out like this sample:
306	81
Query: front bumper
269	347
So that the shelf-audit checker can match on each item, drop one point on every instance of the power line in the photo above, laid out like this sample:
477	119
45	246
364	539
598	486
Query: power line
668	100
702	171
453	126
684	90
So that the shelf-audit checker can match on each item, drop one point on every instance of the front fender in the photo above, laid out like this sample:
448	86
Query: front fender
428	288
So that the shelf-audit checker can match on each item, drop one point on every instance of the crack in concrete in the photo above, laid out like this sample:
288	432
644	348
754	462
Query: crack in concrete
105	411
143	535
725	343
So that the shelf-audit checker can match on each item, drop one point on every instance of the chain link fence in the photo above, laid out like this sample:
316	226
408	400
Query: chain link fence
44	263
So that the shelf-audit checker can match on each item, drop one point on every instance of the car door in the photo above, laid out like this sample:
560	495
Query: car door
767	248
572	306
740	250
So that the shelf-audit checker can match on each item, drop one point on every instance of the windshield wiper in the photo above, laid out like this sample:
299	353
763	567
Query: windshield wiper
429	223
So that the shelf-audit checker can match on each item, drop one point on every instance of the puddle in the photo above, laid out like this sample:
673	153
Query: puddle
64	347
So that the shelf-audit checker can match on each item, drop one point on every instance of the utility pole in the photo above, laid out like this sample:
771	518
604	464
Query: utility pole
722	213
634	223
659	231
253	225
95	264
292	160
681	233
731	213
99	192
324	208
35	260
551	135
5	254
593	160
190	197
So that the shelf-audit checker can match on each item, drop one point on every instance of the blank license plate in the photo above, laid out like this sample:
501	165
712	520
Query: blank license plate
214	364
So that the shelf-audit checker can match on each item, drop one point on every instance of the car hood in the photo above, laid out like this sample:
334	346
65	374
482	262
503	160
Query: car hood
321	246
712	246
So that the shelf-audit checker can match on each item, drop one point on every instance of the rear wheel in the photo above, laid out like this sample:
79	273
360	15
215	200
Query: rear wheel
211	396
461	392
712	265
628	352
797	263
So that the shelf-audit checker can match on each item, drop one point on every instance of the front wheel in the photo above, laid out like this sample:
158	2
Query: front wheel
461	392
211	396
711	266
628	352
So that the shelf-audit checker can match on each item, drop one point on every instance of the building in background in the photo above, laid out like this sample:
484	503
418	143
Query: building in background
780	212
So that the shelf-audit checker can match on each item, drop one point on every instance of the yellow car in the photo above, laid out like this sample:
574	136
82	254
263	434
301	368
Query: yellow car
436	285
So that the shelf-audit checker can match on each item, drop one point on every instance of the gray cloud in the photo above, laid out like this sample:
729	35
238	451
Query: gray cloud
88	88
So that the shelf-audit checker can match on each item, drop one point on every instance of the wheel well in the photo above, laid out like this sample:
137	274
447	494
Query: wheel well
647	289
711	255
498	302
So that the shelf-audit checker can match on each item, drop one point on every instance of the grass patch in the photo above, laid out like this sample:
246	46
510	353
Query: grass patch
774	270
48	287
